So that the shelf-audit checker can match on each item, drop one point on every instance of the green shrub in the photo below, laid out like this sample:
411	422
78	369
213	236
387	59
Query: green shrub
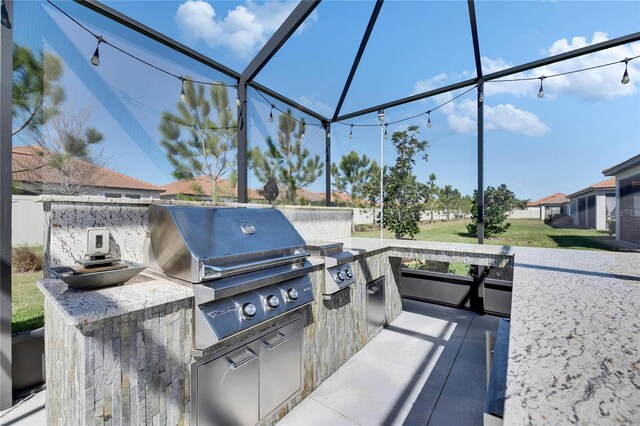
26	259
611	226
498	202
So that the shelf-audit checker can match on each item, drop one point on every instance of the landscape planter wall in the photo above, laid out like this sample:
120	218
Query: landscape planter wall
27	351
455	290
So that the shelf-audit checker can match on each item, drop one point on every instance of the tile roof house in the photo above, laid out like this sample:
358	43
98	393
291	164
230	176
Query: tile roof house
557	203
590	207
201	188
627	192
32	174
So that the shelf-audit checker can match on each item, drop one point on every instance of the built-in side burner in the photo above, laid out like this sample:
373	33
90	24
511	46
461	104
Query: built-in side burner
338	272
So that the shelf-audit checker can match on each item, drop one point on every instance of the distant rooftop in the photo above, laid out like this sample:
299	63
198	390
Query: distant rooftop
30	165
605	184
627	164
557	198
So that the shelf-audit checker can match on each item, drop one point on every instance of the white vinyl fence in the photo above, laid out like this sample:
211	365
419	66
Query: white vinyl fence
366	216
528	213
28	221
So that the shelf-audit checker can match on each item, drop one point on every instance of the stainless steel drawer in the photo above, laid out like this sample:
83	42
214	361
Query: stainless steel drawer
280	366
228	388
375	304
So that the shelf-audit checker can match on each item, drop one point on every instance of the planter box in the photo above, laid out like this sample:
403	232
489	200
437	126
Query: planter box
455	290
27	352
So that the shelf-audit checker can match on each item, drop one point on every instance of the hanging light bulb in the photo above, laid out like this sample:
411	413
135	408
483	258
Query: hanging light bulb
480	97
95	60
303	126
541	90
183	96
429	119
238	103
351	132
271	114
625	76
385	131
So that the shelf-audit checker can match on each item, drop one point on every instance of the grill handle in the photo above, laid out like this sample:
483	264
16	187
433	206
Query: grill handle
281	340
211	272
235	365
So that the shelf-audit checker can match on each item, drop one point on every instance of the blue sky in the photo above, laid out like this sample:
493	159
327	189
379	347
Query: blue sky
560	143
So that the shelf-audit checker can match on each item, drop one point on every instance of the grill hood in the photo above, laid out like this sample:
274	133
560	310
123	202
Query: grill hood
197	244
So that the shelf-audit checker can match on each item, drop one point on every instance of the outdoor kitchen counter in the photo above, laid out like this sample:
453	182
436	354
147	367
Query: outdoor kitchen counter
82	307
574	345
485	255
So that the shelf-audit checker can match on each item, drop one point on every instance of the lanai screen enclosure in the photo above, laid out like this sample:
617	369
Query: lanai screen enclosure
241	83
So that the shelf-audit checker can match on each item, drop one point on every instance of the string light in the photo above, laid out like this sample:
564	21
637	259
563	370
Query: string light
95	60
625	76
480	97
303	126
271	114
541	90
351	132
183	96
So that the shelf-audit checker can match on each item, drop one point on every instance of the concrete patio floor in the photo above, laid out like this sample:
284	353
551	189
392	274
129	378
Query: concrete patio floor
27	411
426	367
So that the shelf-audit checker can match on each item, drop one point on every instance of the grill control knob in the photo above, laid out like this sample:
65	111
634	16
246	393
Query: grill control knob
273	302
292	293
249	310
348	273
340	276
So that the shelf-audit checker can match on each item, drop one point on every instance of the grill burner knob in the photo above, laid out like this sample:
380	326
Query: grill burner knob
273	302
348	273
292	293
249	310
340	276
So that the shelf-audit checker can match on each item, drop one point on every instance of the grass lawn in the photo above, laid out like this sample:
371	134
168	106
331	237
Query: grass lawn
523	232
27	302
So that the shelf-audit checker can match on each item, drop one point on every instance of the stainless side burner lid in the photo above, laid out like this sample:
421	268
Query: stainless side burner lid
197	244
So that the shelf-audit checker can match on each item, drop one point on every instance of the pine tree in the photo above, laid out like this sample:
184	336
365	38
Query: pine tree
287	161
200	139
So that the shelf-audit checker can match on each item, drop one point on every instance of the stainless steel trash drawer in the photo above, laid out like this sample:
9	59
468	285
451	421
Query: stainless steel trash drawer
280	366
228	388
375	304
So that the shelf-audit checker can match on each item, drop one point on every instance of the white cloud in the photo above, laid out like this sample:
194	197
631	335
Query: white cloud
243	31
601	84
317	106
503	117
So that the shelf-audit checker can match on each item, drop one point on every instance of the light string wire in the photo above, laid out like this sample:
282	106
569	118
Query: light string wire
413	116
101	39
182	79
504	80
274	106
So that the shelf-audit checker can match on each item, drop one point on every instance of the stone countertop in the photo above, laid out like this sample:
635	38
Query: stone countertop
574	348
486	255
82	307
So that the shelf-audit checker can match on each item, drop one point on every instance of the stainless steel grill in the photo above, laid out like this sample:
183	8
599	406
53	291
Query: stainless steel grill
338	273
246	266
